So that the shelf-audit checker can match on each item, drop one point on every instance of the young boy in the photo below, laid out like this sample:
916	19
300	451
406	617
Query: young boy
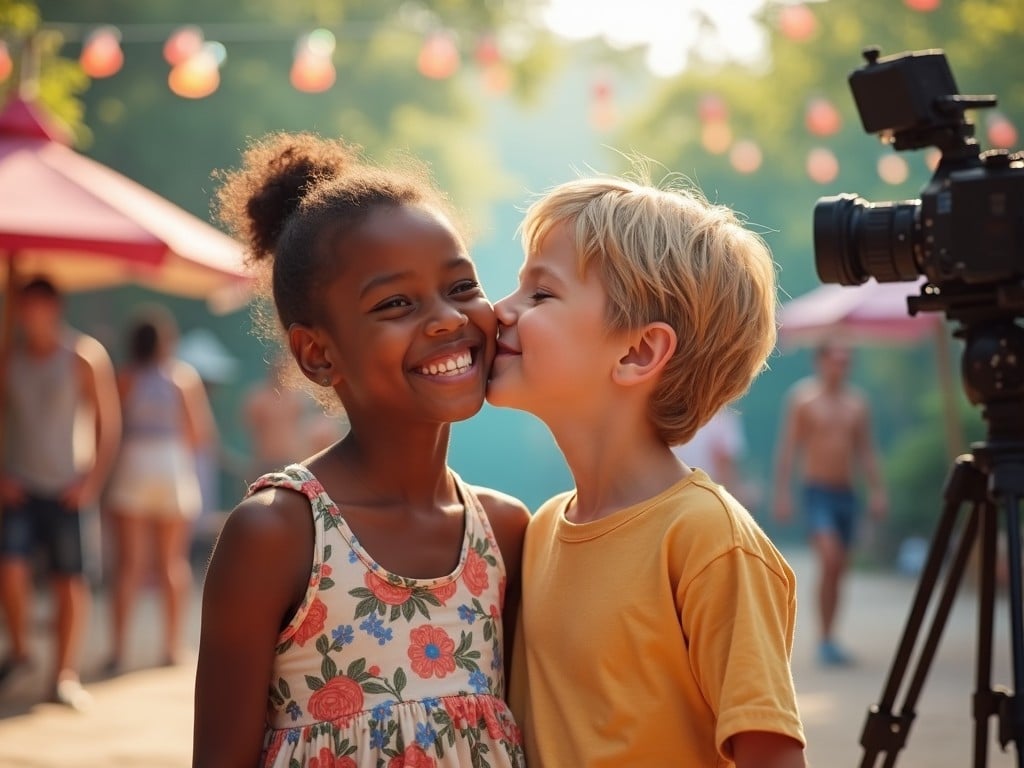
657	618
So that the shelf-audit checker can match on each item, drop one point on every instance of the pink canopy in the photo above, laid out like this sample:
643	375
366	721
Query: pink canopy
86	226
873	312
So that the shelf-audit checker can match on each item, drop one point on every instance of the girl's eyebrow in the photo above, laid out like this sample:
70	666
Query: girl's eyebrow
396	277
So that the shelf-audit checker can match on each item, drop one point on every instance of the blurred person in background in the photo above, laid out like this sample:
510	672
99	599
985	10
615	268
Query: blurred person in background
827	431
716	448
155	492
54	376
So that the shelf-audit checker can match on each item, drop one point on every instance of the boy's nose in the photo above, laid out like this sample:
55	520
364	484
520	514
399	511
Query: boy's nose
504	310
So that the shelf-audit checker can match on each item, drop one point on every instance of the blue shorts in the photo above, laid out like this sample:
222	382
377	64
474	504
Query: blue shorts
44	523
832	511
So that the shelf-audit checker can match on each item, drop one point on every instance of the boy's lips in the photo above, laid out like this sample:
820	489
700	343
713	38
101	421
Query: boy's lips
505	349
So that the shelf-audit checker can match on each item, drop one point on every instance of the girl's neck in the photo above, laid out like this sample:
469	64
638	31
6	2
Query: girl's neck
406	466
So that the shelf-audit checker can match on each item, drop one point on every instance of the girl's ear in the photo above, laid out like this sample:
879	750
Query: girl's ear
650	349
312	354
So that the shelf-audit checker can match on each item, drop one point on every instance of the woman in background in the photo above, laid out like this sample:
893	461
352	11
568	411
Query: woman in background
155	493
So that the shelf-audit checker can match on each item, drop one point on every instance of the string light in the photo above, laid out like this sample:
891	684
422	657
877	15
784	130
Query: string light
6	64
313	69
439	57
101	54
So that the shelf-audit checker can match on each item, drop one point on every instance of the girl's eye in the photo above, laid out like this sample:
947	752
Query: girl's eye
466	286
395	302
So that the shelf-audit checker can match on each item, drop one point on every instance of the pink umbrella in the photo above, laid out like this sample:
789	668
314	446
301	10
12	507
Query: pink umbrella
873	313
870	313
86	226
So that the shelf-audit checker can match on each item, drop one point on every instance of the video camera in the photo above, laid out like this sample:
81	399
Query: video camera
965	234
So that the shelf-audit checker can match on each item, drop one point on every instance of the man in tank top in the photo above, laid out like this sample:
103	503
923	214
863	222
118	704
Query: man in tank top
53	377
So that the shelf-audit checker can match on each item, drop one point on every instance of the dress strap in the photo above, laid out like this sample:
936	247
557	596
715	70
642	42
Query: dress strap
477	523
298	478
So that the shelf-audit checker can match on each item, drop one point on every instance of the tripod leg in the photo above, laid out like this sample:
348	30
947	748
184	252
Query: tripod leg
1012	722
986	703
884	731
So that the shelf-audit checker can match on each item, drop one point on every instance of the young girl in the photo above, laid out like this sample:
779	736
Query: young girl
352	613
657	617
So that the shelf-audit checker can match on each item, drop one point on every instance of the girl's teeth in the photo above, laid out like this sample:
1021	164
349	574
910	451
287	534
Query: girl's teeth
449	367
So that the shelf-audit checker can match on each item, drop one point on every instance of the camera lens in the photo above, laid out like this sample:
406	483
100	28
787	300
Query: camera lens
855	240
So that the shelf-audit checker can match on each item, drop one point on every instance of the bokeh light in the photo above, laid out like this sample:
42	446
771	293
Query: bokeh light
922	5
313	68
822	165
822	118
745	156
712	108
797	22
932	156
716	136
6	64
101	54
183	42
439	57
198	76
893	169
1001	133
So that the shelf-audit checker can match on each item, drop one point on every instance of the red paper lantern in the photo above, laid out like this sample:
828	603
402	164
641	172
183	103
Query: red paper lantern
101	54
822	165
922	5
797	22
822	118
183	42
439	57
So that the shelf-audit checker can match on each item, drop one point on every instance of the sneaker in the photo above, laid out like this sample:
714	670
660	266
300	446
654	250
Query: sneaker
71	694
831	655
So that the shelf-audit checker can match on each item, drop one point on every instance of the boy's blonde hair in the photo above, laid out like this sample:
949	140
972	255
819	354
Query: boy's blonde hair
667	254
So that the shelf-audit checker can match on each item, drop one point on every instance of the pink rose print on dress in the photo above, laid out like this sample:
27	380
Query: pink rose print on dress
339	699
475	573
444	592
327	759
385	591
413	757
313	624
431	651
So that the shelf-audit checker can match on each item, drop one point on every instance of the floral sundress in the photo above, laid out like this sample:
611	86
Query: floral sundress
380	671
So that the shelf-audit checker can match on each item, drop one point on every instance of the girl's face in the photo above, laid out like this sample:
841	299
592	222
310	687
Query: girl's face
554	346
409	329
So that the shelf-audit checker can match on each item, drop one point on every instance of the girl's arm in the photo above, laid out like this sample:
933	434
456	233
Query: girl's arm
756	749
508	517
257	577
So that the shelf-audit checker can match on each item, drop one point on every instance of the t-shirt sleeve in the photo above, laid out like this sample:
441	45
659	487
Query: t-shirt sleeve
738	617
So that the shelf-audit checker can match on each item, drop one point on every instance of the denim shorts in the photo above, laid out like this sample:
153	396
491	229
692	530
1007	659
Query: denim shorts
43	523
832	511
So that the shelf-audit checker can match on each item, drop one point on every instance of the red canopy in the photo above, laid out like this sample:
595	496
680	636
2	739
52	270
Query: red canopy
87	226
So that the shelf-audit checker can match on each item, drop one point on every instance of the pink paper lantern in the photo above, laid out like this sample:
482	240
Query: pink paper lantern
183	42
822	165
745	156
1001	133
712	108
438	58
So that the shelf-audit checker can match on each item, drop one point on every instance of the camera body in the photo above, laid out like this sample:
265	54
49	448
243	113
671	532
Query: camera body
965	234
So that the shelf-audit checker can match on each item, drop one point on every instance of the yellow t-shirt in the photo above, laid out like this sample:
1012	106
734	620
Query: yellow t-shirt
652	636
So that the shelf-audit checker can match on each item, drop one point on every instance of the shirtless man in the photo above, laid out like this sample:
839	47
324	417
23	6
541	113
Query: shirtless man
827	428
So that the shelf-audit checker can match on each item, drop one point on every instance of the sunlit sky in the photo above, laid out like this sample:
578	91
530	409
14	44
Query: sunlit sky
671	30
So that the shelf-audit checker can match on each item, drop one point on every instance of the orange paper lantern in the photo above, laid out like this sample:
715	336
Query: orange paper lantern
312	73
716	136
196	77
101	54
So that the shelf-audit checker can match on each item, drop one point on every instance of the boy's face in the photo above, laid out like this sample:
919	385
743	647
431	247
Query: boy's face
555	352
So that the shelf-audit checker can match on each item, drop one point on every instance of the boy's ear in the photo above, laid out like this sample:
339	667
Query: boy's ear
650	349
312	354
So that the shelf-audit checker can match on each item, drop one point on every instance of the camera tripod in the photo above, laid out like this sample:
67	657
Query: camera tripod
991	481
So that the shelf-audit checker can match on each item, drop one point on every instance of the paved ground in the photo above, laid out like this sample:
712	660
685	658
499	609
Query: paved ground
143	717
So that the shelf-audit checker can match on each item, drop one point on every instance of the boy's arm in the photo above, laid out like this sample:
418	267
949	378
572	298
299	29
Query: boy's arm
757	749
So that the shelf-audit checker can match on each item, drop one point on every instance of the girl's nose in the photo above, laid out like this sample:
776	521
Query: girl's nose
447	317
